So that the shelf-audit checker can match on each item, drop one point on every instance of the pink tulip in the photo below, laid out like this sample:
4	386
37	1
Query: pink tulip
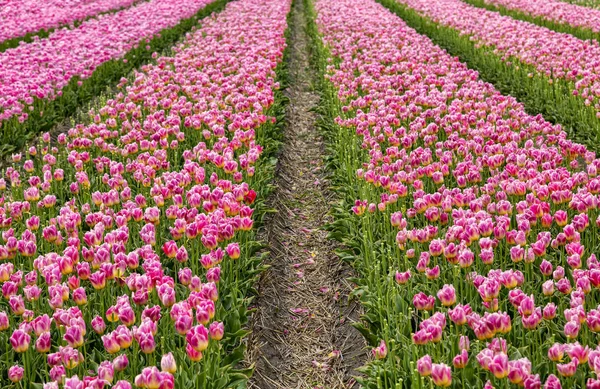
380	352
106	371
120	363
15	373
447	295
441	375
424	366
460	361
20	341
216	330
197	338
167	363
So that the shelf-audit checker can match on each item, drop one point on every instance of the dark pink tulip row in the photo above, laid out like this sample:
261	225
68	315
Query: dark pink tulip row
556	11
552	54
20	17
113	240
43	67
492	214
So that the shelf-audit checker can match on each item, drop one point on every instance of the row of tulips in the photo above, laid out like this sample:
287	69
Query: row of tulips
128	248
473	225
549	72
585	3
59	91
553	10
557	15
19	19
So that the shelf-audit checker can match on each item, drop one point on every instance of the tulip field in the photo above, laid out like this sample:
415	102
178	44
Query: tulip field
141	165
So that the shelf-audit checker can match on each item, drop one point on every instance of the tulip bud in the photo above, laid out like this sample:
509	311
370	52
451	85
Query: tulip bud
380	352
464	343
120	363
216	330
167	363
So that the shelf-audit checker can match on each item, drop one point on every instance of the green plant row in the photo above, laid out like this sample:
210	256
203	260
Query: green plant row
44	33
579	32
539	94
47	113
239	280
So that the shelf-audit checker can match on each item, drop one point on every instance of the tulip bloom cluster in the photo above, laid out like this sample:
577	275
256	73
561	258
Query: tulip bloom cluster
115	237
21	17
550	54
554	10
476	222
42	68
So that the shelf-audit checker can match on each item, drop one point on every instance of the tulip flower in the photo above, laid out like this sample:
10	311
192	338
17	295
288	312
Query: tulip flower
441	375
20	341
380	352
15	373
167	363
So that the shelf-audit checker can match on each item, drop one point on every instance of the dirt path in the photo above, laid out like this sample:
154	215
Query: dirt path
302	334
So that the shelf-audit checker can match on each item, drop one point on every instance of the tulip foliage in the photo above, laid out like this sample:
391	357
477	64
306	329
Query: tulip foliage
127	245
472	224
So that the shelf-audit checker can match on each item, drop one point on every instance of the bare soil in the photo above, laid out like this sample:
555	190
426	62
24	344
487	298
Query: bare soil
302	332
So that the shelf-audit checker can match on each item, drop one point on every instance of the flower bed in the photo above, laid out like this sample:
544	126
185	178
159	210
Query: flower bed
473	223
128	249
